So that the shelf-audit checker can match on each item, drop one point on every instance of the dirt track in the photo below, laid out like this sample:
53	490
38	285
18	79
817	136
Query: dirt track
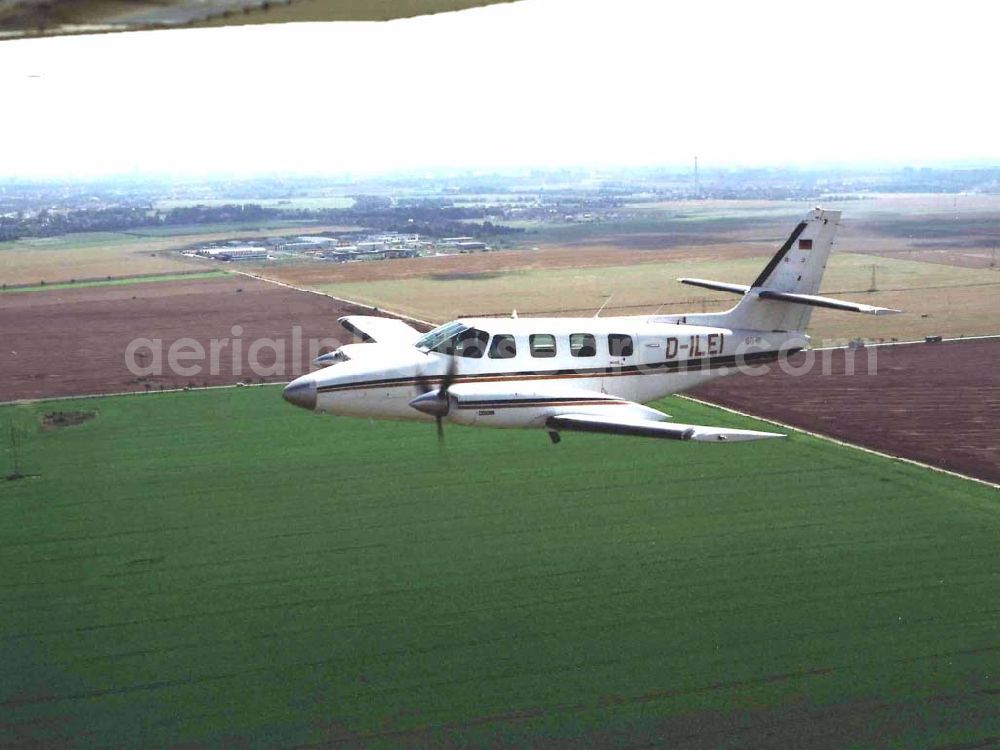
73	342
936	403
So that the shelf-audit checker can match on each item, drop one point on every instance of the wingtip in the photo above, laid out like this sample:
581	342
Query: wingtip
709	435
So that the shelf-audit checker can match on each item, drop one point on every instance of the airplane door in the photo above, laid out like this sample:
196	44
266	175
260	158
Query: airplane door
619	378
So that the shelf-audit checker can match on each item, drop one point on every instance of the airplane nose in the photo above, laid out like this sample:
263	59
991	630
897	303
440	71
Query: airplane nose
301	392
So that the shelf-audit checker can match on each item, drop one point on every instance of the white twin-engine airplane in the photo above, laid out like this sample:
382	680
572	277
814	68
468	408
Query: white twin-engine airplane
578	374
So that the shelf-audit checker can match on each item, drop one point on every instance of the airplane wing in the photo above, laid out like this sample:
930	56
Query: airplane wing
558	408
382	330
625	425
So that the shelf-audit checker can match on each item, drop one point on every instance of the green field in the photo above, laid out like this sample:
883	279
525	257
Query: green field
118	282
150	250
203	567
76	241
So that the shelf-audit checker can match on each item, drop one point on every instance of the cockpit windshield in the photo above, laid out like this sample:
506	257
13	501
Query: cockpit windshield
455	339
439	335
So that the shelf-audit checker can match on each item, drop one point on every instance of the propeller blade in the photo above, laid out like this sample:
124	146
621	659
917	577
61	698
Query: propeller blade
440	430
449	376
423	384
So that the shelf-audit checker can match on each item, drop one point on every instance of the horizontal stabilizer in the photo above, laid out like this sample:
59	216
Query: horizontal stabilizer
816	301
649	428
719	286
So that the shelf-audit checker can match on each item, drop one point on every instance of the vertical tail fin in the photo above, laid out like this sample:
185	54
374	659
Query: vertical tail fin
798	266
783	295
781	298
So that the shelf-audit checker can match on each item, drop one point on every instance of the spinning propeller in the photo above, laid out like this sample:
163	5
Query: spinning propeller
436	403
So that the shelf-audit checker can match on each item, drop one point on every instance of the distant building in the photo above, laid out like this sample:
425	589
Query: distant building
401	252
454	241
394	238
304	244
237	252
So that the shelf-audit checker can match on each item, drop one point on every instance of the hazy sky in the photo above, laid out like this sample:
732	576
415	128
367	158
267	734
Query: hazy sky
541	82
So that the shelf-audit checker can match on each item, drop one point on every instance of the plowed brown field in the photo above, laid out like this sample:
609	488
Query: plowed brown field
936	403
73	341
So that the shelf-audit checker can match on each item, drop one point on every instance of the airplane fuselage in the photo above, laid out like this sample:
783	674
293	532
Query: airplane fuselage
611	360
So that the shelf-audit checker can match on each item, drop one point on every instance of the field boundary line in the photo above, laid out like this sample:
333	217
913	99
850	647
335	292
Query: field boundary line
838	441
344	300
94	280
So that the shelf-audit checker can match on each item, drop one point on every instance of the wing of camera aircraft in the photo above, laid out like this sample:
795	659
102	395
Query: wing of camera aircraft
28	18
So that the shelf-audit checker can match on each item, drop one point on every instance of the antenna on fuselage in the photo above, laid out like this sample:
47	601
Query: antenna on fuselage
601	308
513	314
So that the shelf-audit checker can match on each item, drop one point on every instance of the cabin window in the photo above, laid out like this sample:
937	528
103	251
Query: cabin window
542	345
503	346
620	345
470	342
582	345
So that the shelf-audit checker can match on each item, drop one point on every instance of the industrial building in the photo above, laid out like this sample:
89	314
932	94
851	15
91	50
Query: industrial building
240	252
